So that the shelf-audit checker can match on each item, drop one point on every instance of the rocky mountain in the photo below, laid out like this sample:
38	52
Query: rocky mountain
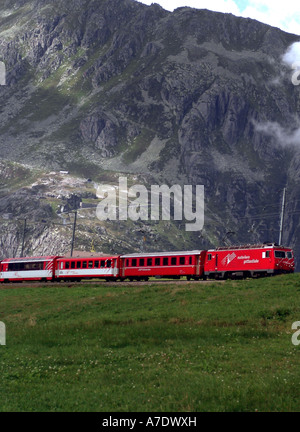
108	88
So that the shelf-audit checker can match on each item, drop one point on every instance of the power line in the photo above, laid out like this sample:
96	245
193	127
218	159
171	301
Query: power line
282	216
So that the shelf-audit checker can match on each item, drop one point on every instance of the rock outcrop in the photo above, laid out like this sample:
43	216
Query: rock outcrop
103	87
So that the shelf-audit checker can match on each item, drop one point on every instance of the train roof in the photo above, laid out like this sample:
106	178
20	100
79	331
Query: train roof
249	246
86	258
161	254
29	259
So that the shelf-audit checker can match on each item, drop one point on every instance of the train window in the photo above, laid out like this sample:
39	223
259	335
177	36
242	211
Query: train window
149	262
67	264
96	264
127	263
134	262
289	255
191	260
27	266
209	257
182	260
73	264
84	264
142	262
38	266
279	254
174	261
108	264
90	264
166	261
78	264
102	263
157	261
268	254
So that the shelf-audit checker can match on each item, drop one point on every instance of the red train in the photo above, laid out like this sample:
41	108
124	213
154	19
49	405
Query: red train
221	263
248	261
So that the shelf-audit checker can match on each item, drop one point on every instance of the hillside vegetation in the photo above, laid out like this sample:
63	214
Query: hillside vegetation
158	347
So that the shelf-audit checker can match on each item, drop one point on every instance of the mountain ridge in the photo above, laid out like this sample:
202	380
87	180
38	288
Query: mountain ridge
107	88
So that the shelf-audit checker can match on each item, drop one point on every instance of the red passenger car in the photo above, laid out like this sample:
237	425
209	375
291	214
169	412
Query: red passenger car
107	267
163	264
243	261
28	269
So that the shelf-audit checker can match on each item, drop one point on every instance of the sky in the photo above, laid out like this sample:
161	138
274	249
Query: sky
282	14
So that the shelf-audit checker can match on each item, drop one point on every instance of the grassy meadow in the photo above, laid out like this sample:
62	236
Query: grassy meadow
159	347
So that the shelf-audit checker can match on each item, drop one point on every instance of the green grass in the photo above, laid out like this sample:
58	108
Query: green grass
157	347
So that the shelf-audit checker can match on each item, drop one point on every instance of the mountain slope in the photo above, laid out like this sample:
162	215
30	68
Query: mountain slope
100	88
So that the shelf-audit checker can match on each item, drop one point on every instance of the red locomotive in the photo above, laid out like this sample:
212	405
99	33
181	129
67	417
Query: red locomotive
221	263
249	261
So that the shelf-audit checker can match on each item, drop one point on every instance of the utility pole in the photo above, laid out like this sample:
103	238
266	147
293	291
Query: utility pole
282	216
23	240
74	230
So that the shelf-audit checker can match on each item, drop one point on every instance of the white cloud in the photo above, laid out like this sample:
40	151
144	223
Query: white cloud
284	137
292	55
277	14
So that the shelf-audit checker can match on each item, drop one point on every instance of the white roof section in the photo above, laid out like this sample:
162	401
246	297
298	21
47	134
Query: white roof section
162	254
248	247
29	259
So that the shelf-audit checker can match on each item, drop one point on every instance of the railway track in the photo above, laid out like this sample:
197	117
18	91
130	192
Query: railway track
16	285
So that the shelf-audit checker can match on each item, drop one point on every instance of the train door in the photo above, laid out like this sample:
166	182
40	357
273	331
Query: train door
198	261
115	267
216	268
122	267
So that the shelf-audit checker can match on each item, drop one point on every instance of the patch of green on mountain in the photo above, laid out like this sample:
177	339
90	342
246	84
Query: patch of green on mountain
138	146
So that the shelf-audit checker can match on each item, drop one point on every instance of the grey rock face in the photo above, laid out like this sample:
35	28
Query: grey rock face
98	87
